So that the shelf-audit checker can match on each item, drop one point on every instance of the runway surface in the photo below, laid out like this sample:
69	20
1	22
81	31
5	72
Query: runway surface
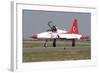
56	49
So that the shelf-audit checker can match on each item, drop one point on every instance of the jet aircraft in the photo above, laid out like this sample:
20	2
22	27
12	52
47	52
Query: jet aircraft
55	33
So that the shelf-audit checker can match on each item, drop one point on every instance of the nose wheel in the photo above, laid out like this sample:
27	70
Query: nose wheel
45	44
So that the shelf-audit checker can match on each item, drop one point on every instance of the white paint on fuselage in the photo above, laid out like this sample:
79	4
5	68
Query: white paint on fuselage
47	35
50	34
70	36
60	33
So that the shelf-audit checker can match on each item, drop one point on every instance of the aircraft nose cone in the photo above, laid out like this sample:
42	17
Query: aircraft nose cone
34	36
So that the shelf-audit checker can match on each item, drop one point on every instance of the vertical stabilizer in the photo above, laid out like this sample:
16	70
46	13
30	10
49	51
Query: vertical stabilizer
74	28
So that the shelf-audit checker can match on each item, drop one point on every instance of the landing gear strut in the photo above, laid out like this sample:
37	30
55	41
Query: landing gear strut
45	44
54	43
73	42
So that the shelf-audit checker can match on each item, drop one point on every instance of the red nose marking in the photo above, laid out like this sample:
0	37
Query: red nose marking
34	36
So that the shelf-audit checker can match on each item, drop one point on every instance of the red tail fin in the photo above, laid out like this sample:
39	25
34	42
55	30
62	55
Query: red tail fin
74	28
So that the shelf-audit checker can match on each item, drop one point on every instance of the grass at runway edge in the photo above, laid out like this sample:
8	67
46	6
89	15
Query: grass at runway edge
56	56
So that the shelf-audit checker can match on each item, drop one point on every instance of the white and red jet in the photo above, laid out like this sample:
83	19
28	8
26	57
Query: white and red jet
55	33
